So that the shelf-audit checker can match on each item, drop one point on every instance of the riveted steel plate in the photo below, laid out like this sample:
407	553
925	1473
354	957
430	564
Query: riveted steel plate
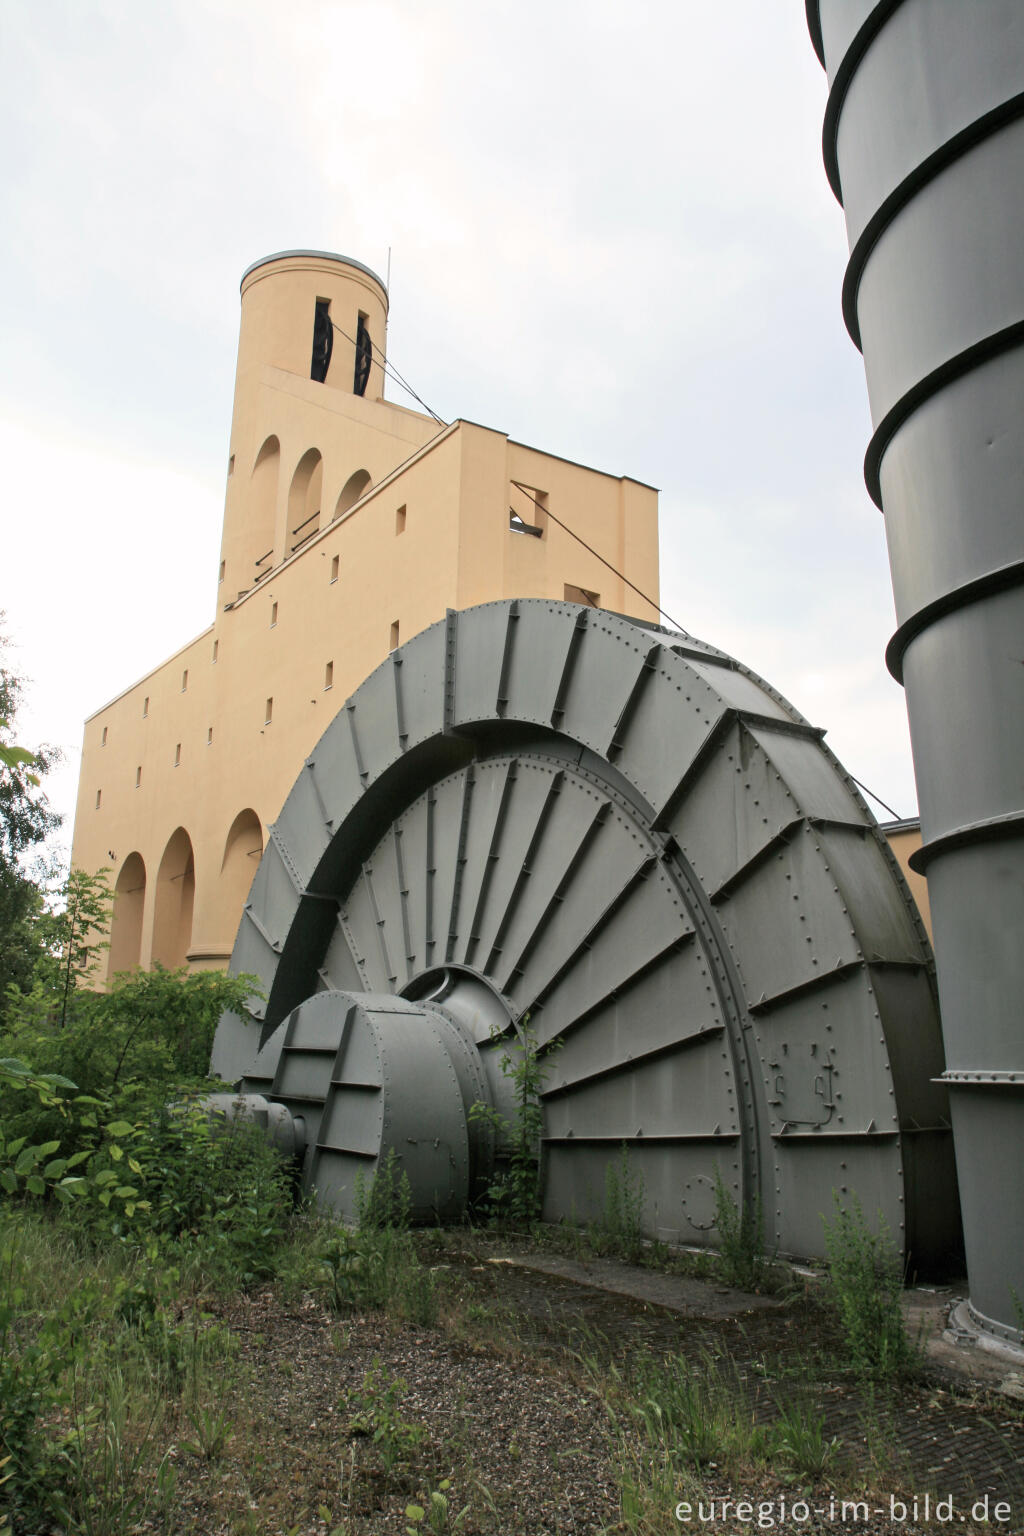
641	854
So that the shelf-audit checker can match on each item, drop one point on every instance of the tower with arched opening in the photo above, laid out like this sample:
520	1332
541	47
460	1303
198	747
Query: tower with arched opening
351	524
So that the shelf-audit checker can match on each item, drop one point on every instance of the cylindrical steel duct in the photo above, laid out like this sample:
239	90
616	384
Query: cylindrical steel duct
924	147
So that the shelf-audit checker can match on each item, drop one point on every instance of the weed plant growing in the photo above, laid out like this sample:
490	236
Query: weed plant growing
740	1239
514	1195
384	1203
376	1267
680	1419
799	1441
620	1229
101	1478
377	1415
437	1515
93	1378
699	1414
1018	1313
864	1293
87	1366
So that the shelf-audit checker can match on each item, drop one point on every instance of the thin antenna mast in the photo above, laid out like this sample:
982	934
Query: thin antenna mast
387	316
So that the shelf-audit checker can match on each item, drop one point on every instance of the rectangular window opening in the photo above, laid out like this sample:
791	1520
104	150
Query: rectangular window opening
527	510
209	735
231	465
269	712
216	647
335	567
364	355
138	776
145	707
177	755
400	520
220	578
581	595
394	637
103	738
273	615
329	675
184	681
99	798
323	341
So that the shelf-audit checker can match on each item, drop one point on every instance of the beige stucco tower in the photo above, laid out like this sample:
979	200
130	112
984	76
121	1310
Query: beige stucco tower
350	524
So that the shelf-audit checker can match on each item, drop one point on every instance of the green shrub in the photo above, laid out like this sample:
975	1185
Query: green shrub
1018	1312
145	1159
31	1385
620	1229
141	1042
514	1196
214	1188
26	820
864	1293
740	1239
386	1201
376	1268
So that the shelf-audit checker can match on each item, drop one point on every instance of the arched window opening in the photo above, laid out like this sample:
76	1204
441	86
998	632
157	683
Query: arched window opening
175	899
125	950
263	503
304	499
355	486
242	852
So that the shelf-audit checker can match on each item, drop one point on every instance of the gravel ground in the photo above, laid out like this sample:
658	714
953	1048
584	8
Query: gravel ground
529	1447
312	1423
526	1449
304	1422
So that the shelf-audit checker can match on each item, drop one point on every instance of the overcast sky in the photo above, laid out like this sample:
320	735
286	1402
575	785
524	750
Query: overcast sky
610	236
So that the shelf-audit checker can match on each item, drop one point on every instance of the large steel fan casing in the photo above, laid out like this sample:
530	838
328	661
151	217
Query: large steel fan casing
539	810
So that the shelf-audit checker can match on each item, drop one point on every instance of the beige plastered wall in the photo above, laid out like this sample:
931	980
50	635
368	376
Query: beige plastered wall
904	840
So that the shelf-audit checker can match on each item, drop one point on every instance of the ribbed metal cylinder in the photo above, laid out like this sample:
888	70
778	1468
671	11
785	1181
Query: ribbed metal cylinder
924	147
